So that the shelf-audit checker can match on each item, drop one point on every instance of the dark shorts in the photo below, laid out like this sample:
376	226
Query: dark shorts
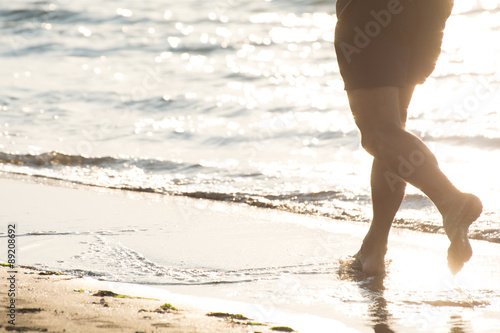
389	42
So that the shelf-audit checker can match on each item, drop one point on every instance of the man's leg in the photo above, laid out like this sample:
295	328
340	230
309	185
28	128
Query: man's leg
385	201
377	115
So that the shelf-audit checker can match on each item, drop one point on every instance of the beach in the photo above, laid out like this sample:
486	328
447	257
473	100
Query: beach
204	155
275	268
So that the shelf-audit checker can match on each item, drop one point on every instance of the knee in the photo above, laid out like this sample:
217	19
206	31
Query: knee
374	138
369	142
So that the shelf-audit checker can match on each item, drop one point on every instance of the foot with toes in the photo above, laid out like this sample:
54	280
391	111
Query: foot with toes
456	222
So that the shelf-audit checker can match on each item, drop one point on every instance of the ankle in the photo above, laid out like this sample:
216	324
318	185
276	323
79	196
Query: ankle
373	246
450	203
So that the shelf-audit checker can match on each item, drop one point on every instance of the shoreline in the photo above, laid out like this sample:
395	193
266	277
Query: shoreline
59	224
275	268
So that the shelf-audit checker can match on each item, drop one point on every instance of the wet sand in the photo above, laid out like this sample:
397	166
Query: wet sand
48	302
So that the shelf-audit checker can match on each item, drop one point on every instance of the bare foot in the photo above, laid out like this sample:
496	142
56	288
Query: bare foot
370	262
456	225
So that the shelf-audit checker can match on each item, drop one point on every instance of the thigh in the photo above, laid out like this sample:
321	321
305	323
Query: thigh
375	108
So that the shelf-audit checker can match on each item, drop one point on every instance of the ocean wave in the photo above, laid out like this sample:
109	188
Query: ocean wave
36	16
54	158
37	49
218	184
23	14
200	48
